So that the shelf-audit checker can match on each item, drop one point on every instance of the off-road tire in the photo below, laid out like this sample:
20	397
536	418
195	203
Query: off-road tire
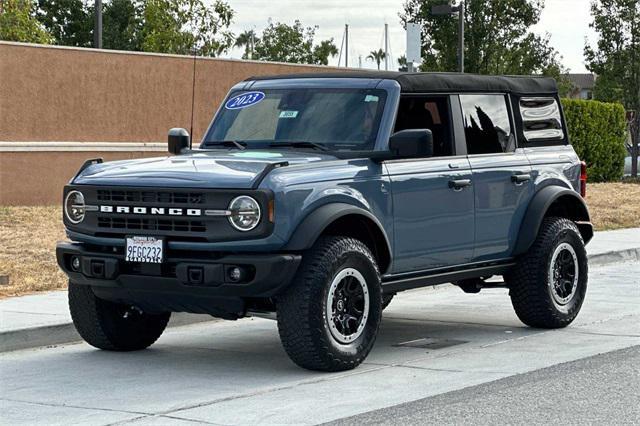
530	283
103	324
301	311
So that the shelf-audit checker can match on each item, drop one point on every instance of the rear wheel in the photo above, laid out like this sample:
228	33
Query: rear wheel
329	318
113	326
549	283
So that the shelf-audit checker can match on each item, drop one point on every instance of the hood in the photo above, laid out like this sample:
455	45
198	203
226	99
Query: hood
198	169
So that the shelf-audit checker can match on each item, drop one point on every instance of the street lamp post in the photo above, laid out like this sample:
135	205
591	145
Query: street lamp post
449	9
97	29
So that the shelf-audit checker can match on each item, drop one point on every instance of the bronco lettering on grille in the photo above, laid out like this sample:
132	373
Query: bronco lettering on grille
155	211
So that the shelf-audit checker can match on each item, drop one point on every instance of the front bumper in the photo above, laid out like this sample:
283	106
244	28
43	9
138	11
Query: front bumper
198	284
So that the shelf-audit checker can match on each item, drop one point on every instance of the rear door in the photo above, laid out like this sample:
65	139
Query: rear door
432	197
501	174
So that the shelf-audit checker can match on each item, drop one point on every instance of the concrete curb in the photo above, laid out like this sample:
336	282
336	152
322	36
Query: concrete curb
615	256
59	334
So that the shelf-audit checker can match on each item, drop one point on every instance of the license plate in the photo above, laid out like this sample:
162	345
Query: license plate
144	249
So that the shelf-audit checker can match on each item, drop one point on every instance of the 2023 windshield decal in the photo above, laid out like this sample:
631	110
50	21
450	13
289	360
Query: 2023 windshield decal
244	100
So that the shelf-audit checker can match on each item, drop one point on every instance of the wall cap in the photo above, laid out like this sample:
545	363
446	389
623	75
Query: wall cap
84	146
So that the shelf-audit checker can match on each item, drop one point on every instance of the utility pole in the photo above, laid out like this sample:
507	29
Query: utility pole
386	47
346	45
251	44
97	29
448	9
359	61
461	37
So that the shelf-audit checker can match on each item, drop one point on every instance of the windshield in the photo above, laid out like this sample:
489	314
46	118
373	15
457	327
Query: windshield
328	119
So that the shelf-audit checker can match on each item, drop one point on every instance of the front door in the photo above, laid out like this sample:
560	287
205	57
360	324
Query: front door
501	174
432	197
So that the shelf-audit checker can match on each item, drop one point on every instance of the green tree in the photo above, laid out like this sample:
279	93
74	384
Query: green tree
498	37
616	59
377	56
402	63
293	43
323	51
70	22
122	25
178	26
18	23
246	39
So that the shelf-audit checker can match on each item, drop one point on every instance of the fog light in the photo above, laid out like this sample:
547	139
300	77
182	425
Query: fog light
236	274
75	263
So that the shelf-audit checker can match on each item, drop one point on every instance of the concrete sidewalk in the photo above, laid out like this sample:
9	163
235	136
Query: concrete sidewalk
44	320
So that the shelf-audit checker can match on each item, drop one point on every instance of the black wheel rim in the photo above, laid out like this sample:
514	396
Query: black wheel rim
563	274
347	305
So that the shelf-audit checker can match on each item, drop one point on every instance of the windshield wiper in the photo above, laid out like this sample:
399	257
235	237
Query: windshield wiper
299	144
231	143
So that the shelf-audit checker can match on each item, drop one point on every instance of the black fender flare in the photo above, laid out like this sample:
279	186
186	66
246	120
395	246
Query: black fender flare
312	226
538	208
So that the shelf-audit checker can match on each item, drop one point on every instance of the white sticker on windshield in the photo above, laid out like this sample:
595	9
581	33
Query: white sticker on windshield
288	114
371	98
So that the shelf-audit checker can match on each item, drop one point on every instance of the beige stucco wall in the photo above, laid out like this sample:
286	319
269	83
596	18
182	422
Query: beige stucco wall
68	94
50	93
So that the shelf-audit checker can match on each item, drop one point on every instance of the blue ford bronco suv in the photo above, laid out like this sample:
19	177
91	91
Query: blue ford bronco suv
318	197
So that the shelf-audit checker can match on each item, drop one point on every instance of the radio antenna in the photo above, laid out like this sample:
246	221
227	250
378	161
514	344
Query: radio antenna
193	95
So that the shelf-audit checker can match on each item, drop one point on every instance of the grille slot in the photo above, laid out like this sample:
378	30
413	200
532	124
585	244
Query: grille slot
162	197
171	225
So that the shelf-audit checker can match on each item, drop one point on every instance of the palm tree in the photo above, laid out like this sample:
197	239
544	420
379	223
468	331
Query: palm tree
378	56
246	39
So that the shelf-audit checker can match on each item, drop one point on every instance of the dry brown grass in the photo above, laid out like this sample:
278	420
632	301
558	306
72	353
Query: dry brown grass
614	205
28	238
28	235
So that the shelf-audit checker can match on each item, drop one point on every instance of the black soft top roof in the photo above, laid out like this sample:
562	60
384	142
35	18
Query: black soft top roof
441	82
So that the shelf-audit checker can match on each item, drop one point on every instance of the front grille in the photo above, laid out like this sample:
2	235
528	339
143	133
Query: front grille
172	225
161	197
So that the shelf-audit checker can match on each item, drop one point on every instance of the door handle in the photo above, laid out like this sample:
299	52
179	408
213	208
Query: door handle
459	184
520	179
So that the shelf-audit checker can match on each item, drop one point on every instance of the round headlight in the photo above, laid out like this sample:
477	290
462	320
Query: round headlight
245	213
74	207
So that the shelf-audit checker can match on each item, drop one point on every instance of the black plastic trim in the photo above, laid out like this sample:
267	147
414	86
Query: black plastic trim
316	222
537	210
443	275
270	273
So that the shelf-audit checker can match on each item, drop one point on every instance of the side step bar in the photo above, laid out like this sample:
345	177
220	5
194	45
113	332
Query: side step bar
392	285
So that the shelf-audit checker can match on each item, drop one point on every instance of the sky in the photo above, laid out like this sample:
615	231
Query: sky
566	21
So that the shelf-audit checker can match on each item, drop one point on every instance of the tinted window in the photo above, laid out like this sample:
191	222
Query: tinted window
541	119
486	124
336	118
428	112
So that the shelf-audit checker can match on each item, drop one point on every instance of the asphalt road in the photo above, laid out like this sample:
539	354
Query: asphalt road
603	389
442	357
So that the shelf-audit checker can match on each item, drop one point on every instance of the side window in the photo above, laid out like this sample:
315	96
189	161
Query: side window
428	112
487	126
541	119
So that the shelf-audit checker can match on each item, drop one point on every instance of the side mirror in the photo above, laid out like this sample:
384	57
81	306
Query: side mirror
178	140
411	143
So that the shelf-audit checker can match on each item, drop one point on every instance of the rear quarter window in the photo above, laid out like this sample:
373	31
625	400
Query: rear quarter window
541	120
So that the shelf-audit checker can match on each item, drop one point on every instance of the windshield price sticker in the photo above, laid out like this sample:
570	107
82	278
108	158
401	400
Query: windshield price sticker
244	100
288	114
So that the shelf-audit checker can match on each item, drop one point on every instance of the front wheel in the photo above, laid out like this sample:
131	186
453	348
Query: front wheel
328	319
549	283
113	326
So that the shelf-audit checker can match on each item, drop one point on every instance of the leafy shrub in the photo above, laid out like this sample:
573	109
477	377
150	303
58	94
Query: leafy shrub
597	131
